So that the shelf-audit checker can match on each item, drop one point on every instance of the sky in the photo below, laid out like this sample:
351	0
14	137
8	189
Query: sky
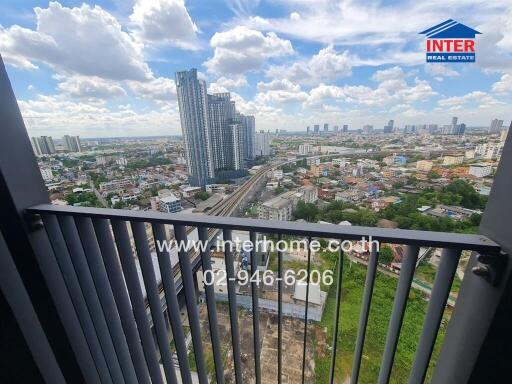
106	68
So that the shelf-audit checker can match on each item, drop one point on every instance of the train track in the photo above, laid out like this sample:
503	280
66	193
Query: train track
224	208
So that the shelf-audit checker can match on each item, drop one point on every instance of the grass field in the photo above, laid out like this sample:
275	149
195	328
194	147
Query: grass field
380	312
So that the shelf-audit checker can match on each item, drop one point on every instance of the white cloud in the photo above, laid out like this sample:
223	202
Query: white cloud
280	96
278	85
90	120
164	22
86	40
504	85
234	82
82	87
241	50
327	64
440	70
481	98
389	30
159	88
392	89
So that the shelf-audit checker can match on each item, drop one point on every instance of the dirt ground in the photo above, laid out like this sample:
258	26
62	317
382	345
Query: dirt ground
293	338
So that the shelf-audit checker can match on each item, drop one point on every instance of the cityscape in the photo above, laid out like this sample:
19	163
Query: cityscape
423	176
255	192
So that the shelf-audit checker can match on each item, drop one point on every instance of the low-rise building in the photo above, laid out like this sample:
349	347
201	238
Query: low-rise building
453	159
480	170
424	165
170	204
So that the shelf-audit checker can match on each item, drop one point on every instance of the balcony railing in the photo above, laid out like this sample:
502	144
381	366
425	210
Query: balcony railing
94	253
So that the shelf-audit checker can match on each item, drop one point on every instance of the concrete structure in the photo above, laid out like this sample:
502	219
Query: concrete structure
489	151
305	149
480	170
424	165
262	144
71	143
170	204
453	159
47	174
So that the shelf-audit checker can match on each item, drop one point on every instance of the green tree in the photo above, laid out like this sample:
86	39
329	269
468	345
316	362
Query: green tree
386	255
305	211
201	195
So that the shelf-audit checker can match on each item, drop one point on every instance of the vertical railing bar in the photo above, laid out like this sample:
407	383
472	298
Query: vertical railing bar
77	254
255	309
155	305
105	296
306	313
180	234
279	312
336	316
124	248
233	309
77	297
397	314
365	312
171	298
210	303
439	296
117	283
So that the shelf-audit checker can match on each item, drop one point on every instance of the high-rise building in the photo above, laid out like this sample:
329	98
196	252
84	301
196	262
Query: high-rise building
345	127
220	113
326	127
262	147
454	121
43	145
219	141
193	106
316	129
249	133
336	128
496	126
307	129
71	143
35	146
390	127
367	129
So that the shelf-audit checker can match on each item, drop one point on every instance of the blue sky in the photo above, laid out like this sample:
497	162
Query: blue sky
106	68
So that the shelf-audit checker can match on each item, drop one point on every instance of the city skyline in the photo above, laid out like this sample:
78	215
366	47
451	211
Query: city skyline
279	62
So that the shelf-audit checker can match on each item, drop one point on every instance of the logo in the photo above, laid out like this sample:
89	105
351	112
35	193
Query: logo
450	42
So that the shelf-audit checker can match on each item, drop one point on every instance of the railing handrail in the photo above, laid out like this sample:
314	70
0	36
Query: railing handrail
472	242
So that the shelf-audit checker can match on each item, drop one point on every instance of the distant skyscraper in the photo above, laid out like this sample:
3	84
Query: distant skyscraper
307	129
390	127
237	145
71	143
367	129
326	127
316	129
248	136
345	127
193	105
336	128
454	125
262	147
43	145
496	126
461	129
35	146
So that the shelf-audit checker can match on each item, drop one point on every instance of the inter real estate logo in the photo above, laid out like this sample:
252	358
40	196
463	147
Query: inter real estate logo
450	42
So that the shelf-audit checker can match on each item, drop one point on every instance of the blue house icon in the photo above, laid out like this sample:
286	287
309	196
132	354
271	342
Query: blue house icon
450	29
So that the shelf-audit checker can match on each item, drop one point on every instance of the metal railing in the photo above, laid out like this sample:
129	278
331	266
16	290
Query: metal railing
93	249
